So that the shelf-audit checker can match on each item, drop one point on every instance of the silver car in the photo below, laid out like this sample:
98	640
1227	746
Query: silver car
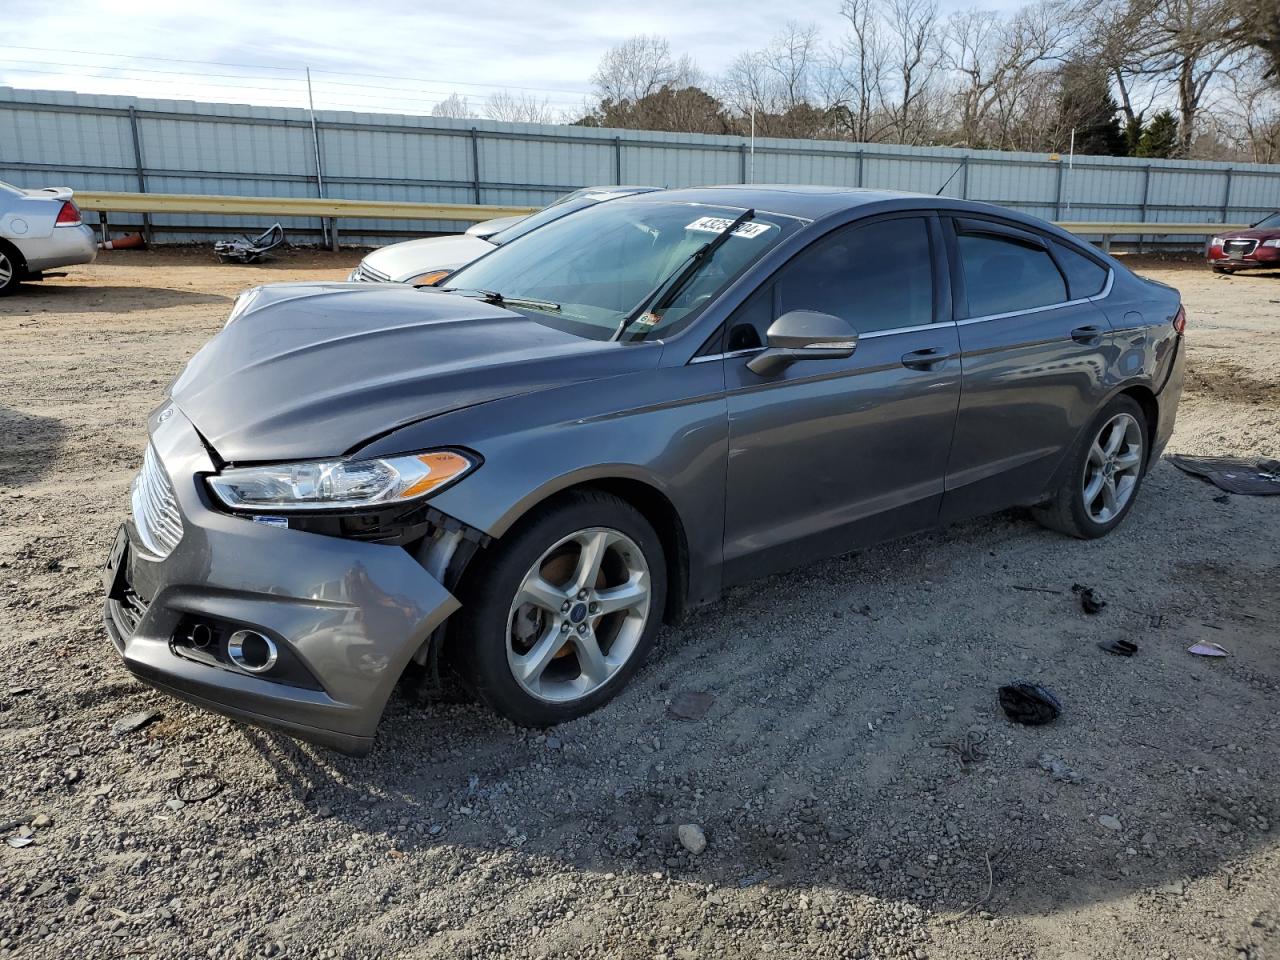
40	230
430	259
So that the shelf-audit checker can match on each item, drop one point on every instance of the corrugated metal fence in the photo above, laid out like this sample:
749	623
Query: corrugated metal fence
94	142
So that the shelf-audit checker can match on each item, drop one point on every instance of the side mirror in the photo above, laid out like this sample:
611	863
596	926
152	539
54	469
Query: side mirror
804	335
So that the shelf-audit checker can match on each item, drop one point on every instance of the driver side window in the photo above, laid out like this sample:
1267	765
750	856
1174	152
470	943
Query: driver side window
877	276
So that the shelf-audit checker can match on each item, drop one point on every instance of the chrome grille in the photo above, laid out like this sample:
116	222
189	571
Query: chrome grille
155	509
367	274
1242	245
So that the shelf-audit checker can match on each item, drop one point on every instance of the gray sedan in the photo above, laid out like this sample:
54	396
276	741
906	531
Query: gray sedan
592	431
40	230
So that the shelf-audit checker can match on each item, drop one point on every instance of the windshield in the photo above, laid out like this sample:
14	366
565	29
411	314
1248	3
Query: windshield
9	186
561	208
591	270
1271	221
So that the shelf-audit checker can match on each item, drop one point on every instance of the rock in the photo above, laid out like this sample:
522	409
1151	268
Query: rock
41	820
324	812
553	743
174	804
133	722
1057	769
1110	822
692	838
691	705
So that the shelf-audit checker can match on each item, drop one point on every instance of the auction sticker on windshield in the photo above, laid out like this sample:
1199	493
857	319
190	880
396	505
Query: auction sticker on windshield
721	224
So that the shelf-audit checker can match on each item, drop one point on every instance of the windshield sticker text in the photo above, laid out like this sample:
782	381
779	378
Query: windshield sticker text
721	224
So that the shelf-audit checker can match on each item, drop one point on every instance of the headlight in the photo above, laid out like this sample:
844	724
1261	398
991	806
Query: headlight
340	484
428	279
243	303
1271	243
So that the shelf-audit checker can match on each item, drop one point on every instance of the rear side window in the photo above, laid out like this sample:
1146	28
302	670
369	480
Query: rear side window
878	276
1003	276
1084	277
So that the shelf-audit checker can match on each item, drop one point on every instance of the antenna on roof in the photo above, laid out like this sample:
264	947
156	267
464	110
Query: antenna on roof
959	167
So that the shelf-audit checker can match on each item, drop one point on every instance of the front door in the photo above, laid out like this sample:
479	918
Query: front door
828	455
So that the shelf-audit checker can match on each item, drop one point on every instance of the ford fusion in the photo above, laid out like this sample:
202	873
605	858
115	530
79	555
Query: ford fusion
602	424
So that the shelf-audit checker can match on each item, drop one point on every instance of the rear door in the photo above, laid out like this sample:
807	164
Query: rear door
1034	352
831	454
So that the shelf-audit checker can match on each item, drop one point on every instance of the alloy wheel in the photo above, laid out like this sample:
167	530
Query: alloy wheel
578	615
6	270
1112	468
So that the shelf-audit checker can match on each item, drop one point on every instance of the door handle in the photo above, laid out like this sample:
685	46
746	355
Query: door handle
928	359
1091	335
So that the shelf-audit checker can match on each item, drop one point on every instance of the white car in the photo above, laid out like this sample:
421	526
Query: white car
431	259
40	230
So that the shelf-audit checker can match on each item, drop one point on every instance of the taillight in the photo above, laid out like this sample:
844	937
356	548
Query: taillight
68	216
1180	319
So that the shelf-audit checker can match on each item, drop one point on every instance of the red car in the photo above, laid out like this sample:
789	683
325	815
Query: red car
1259	246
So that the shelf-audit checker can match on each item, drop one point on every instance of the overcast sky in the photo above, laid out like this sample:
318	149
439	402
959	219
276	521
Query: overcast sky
393	54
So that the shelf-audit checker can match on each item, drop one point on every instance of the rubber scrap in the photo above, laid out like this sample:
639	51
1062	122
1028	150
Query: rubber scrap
1090	602
1029	704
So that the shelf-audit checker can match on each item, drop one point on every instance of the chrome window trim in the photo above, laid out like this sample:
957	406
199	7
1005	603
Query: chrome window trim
1101	295
862	336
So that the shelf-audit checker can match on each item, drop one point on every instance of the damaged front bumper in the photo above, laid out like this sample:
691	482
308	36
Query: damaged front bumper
345	616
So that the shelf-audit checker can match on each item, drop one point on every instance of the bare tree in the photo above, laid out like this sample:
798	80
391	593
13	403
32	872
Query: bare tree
454	107
640	66
1192	41
519	108
916	45
997	61
859	66
1250	117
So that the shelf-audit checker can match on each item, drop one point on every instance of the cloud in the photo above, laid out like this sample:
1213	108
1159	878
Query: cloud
389	54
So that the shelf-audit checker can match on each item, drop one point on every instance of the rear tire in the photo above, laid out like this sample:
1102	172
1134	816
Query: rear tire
1104	474
12	269
561	615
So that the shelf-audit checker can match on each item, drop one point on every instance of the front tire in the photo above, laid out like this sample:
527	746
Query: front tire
1106	469
563	613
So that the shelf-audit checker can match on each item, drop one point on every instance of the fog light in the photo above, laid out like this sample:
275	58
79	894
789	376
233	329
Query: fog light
252	651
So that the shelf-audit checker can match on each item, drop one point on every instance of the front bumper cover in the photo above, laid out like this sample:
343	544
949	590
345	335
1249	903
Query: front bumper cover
348	613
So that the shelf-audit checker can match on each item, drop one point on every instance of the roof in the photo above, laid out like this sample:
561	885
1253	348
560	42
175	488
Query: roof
807	202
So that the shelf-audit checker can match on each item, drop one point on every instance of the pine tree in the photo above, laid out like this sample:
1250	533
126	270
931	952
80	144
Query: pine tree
1085	104
1159	137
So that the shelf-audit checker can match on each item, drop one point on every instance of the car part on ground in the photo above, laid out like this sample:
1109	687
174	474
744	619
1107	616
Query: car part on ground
625	434
40	230
1248	476
250	249
428	260
1252	249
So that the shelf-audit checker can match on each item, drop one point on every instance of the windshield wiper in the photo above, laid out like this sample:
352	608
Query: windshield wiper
660	297
498	299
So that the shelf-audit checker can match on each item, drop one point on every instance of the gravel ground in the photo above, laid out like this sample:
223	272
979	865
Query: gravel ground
837	820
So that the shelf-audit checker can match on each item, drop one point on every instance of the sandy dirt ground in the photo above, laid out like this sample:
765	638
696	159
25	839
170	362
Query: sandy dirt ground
838	823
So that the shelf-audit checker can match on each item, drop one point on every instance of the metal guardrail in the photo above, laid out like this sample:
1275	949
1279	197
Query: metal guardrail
148	203
290	207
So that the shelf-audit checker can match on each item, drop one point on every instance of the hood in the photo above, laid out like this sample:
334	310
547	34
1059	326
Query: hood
317	370
1260	233
403	261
